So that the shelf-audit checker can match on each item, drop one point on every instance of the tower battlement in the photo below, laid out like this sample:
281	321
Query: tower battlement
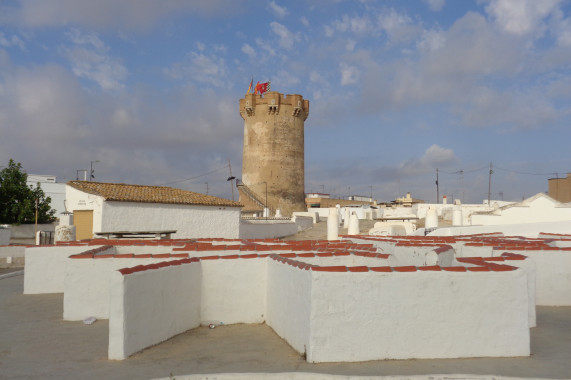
274	103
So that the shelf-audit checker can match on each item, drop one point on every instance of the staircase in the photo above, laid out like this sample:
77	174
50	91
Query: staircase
254	199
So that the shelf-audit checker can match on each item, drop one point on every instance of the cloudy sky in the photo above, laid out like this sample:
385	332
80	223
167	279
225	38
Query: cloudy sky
398	89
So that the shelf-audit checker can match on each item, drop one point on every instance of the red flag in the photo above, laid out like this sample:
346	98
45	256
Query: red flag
250	86
262	87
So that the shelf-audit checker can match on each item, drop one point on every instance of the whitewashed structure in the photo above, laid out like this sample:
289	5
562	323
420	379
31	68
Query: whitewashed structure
306	291
51	188
537	209
111	207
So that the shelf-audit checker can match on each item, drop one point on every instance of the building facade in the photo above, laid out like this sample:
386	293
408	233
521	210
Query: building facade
273	163
560	188
108	207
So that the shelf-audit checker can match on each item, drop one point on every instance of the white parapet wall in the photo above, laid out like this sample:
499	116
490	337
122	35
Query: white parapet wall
5	234
266	229
419	322
151	306
233	290
330	300
45	267
553	271
87	283
529	230
289	303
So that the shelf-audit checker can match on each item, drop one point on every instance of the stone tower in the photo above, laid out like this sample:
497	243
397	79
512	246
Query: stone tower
273	158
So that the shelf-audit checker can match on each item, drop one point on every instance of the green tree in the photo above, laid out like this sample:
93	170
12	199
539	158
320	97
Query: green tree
18	201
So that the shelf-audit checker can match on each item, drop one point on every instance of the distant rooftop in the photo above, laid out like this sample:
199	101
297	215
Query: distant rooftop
121	192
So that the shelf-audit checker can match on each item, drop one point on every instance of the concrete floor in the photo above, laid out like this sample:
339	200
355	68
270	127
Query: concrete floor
35	343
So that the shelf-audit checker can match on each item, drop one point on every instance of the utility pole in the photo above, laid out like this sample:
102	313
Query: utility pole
231	179
490	184
437	190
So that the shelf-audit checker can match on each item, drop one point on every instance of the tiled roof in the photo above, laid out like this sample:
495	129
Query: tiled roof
121	192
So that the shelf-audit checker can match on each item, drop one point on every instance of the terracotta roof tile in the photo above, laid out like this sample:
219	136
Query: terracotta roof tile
121	192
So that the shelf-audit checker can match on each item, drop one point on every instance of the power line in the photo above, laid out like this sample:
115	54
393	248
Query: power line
198	176
525	173
464	171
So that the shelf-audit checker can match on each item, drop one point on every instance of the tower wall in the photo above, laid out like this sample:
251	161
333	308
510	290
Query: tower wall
274	148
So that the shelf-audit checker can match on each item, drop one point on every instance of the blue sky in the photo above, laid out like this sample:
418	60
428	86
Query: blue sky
397	89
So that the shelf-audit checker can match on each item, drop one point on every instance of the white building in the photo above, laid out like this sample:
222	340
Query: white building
51	188
539	208
112	207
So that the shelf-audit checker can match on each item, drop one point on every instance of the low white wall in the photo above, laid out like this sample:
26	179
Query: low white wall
12	250
262	229
539	208
233	291
152	306
5	234
45	268
529	230
188	221
553	277
309	214
289	303
87	285
26	231
419	322
304	222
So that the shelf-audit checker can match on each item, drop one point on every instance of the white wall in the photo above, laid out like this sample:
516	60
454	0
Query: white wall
87	285
5	234
261	229
553	277
289	303
418	315
56	191
189	221
233	291
78	200
537	209
530	230
151	306
45	268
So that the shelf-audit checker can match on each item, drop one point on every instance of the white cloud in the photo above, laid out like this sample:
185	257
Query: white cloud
285	79
431	40
278	11
287	38
398	26
53	125
350	45
102	14
349	74
561	28
435	5
329	31
12	41
435	156
249	51
90	59
199	67
304	21
520	17
357	25
507	110
265	46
